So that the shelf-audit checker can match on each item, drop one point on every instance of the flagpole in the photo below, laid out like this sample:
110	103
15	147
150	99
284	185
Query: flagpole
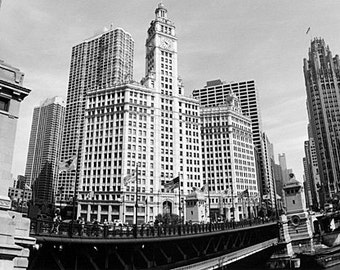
209	200
136	205
179	197
232	201
74	192
249	213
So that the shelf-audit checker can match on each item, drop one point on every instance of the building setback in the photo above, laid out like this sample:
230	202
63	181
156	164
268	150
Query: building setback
322	80
44	149
102	61
228	160
152	125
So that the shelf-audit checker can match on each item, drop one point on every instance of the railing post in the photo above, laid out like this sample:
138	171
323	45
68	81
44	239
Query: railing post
105	233
38	227
135	230
179	229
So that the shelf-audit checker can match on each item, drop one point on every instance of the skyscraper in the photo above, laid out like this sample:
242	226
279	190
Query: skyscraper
44	149
12	93
152	125
99	62
269	184
283	165
311	172
322	80
228	159
215	92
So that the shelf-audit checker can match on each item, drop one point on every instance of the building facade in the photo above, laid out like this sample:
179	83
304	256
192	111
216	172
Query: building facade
12	93
311	173
150	125
283	165
322	80
228	160
102	61
215	92
44	149
14	228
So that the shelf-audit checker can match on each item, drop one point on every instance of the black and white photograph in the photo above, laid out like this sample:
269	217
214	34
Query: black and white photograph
164	134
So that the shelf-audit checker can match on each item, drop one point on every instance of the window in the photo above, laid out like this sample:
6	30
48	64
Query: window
4	104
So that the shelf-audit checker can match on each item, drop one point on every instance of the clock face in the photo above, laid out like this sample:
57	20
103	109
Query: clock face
166	43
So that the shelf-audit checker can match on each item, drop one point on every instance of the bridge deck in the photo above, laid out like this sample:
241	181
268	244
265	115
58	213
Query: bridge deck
139	248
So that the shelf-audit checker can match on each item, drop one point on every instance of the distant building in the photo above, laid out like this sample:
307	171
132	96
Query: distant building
44	149
321	71
100	62
228	161
215	93
311	173
269	184
20	198
283	165
12	93
21	181
307	184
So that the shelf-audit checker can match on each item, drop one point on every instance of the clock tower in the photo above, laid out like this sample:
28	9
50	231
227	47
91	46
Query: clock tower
161	55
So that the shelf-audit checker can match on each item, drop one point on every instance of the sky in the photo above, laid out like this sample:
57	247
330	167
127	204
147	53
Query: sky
261	40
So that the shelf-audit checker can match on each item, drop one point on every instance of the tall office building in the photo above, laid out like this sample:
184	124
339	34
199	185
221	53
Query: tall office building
228	160
307	183
283	164
322	80
215	92
12	93
311	172
44	149
268	154
102	61
152	125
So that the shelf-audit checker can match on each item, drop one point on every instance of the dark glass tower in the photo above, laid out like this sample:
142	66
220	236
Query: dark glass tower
322	79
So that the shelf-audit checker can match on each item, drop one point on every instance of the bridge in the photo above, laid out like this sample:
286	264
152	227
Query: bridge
190	246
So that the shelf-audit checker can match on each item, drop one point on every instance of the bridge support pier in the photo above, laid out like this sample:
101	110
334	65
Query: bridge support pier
14	240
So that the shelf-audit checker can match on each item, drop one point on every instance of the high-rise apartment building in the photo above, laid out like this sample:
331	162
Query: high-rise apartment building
214	94
99	62
12	93
228	161
150	125
322	80
44	149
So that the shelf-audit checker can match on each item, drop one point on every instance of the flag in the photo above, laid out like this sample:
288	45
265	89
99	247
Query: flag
129	179
204	188
171	185
227	192
68	165
244	193
90	195
266	197
308	30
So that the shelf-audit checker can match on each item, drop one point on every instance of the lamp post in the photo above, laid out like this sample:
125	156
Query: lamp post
209	200
136	203
60	194
232	203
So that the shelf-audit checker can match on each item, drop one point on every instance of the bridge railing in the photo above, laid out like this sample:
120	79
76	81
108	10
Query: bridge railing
69	229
